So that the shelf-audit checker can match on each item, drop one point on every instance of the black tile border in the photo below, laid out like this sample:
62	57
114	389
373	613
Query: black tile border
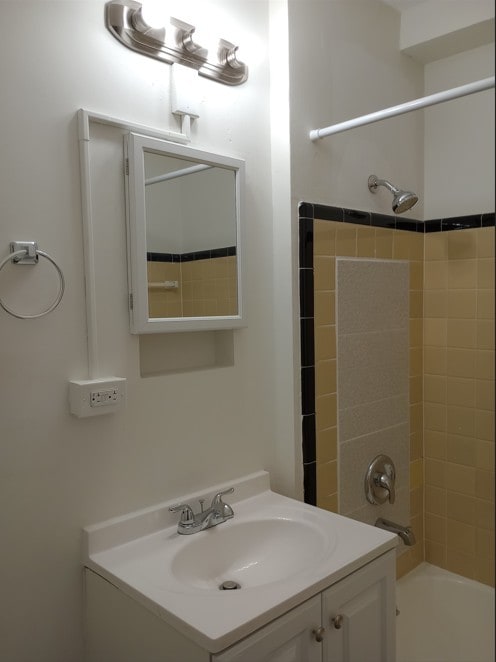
307	351
461	223
163	257
433	226
306	293
308	390
384	221
310	212
227	251
357	217
308	435
307	342
410	225
328	213
306	242
307	213
310	483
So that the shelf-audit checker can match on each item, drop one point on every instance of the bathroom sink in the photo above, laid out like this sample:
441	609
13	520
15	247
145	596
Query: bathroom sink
250	553
275	552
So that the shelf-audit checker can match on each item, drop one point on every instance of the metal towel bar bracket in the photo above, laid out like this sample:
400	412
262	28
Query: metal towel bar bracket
27	252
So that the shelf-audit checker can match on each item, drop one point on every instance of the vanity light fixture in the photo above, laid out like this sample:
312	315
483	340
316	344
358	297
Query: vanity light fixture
173	44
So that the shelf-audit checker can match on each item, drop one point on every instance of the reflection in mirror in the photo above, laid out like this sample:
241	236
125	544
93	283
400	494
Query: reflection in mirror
184	237
190	238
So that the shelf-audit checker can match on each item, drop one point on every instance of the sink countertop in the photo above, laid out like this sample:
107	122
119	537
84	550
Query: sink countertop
135	553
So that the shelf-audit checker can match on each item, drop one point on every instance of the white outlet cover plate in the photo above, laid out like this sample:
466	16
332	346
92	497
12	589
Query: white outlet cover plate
80	396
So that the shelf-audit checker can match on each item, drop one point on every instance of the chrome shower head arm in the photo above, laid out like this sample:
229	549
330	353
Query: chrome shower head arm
374	182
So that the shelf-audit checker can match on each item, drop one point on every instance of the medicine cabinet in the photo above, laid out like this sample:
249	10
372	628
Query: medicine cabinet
185	248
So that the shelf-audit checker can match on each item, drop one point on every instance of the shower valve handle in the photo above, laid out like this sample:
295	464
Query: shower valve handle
380	480
386	480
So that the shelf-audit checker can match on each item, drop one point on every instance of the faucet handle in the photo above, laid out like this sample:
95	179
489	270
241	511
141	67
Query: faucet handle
224	508
187	515
218	497
386	480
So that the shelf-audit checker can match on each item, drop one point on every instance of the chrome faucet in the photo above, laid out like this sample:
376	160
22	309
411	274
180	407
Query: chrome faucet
191	522
404	532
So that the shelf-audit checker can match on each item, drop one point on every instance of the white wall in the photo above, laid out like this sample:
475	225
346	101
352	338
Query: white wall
459	138
181	431
436	29
194	212
178	432
286	377
345	62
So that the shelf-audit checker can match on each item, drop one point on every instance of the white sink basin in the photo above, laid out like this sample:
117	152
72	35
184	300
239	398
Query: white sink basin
280	551
250	553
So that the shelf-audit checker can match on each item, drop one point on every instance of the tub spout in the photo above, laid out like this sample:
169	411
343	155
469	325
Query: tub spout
407	536
404	532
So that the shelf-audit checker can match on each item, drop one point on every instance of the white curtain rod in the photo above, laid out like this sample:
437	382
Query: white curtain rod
409	106
177	173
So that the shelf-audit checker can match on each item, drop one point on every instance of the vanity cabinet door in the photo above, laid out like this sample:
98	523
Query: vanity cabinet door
289	638
359	615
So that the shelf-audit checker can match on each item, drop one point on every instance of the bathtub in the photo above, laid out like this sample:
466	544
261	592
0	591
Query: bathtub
443	617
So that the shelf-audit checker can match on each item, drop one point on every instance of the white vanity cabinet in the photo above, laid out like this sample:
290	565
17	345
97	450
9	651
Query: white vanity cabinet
314	586
359	614
354	619
290	638
351	621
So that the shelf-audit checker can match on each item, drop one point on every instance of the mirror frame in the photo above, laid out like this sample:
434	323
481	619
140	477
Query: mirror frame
135	146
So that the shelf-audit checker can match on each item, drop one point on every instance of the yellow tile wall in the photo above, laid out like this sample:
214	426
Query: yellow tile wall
161	302
459	402
451	386
209	287
206	287
333	239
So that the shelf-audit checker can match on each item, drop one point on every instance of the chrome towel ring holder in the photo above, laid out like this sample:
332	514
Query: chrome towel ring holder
27	252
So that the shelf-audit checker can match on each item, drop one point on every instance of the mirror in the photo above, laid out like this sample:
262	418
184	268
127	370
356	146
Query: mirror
184	232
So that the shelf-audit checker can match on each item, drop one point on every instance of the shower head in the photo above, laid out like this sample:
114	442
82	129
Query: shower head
402	201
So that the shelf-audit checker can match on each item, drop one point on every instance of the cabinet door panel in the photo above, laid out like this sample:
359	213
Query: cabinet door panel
287	639
365	603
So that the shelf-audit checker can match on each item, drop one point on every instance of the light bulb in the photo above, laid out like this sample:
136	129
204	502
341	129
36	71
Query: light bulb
154	13
252	51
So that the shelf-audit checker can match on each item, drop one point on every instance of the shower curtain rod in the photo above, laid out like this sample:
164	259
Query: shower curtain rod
177	173
423	102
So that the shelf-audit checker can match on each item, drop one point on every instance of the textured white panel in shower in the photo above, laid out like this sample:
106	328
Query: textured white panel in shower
372	366
375	415
373	294
372	325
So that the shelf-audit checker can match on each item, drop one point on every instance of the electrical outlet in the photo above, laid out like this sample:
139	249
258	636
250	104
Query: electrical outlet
105	398
94	397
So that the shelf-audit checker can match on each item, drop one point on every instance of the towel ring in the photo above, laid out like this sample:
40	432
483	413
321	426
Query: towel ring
28	254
